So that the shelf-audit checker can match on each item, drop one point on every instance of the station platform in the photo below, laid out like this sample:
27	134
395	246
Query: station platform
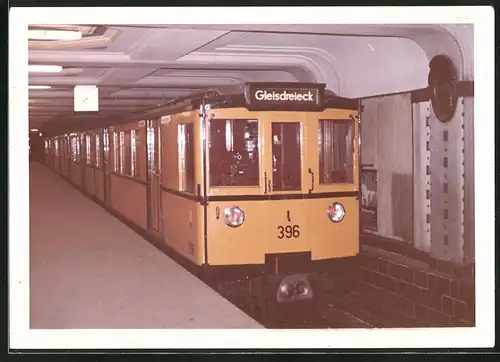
88	270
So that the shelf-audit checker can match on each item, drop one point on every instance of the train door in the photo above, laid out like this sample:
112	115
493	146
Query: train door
62	146
287	180
52	154
153	153
62	159
285	158
48	153
58	155
106	166
83	161
61	155
69	155
66	155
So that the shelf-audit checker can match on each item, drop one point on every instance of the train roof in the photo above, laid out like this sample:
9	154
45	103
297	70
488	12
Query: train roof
258	96
254	96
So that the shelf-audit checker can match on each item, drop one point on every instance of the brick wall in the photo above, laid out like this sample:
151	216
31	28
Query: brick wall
422	291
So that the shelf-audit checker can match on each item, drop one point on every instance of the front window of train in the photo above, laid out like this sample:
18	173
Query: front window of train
234	152
336	151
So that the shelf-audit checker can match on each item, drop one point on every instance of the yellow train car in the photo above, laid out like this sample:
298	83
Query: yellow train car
251	180
261	179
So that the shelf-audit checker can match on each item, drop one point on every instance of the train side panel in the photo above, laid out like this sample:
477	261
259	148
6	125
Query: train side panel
181	225
89	162
57	155
65	156
89	180
245	244
76	173
130	199
99	183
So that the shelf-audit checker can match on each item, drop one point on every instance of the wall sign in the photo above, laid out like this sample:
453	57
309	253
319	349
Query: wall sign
86	98
284	95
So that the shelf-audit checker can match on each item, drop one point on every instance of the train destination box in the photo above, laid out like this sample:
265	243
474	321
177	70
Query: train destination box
306	96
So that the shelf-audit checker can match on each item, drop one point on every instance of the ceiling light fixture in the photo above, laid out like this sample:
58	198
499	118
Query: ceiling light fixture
44	34
45	68
39	87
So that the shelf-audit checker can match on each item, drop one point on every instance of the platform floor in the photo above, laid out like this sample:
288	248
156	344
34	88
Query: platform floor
88	270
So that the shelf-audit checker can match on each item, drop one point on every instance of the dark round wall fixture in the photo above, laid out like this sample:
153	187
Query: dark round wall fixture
442	79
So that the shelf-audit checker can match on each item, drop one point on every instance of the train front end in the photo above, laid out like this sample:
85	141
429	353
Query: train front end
283	186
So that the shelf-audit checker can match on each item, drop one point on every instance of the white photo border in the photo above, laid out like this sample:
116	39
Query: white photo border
21	337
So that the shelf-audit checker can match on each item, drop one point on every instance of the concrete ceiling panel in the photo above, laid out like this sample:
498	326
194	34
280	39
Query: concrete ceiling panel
142	65
171	44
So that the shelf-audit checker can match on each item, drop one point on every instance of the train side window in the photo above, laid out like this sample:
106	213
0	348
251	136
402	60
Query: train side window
78	150
133	157
116	152
336	151
121	144
92	149
97	151
126	153
234	152
286	153
185	137
88	153
139	152
81	149
75	149
67	148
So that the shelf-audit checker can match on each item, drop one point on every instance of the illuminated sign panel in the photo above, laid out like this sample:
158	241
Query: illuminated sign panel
300	96
284	95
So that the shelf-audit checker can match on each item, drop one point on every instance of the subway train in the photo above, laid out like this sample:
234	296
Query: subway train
257	180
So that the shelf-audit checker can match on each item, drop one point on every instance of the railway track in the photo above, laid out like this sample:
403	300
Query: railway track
329	310
342	314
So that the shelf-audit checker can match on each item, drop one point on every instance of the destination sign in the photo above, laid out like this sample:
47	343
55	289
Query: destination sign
264	95
284	95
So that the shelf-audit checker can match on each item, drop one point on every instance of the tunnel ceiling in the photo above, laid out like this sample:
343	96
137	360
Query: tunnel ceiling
139	67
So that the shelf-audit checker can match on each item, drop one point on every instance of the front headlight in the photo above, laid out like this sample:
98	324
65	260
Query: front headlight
234	216
336	212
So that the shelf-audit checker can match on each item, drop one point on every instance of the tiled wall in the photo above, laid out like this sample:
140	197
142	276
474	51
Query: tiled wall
424	292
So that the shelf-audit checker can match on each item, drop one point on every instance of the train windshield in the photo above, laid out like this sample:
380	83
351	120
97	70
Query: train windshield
336	151
234	152
286	153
